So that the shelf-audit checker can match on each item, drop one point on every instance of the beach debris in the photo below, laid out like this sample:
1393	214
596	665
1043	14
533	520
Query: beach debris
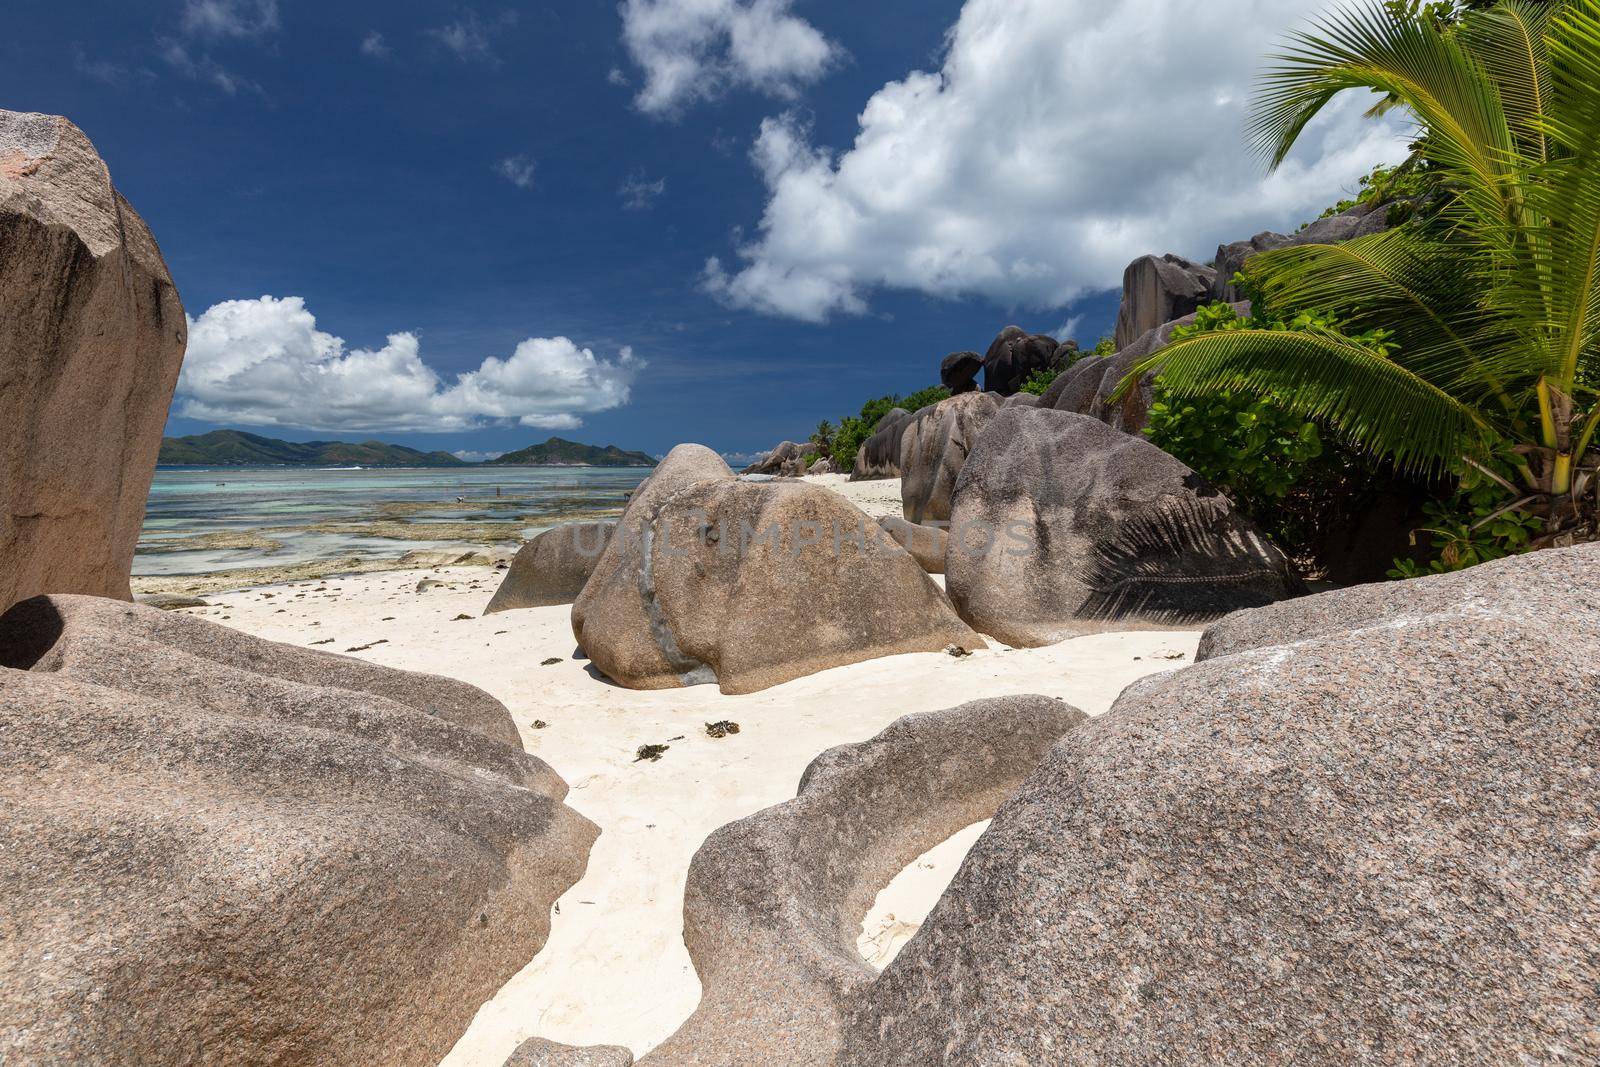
372	644
551	662
461	618
387	618
329	641
957	651
539	724
722	729
1170	653
653	753
429	583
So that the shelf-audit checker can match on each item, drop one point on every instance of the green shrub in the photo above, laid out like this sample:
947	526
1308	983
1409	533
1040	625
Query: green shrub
855	429
1039	381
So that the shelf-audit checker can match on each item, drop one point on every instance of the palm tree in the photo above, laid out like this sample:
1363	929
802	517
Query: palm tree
1492	300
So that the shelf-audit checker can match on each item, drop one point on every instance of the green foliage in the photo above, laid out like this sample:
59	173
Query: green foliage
924	398
855	429
1473	526
1493	301
1389	183
823	437
1040	380
1106	346
1275	464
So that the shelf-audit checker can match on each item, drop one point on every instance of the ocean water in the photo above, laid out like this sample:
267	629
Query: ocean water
202	520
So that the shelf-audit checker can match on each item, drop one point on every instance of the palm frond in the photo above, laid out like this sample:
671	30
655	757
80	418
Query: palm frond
1377	405
1508	42
1568	193
1424	292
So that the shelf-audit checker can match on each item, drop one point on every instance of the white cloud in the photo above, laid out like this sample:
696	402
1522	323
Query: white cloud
469	456
1061	139
375	46
264	363
214	20
203	68
471	39
640	194
692	50
518	170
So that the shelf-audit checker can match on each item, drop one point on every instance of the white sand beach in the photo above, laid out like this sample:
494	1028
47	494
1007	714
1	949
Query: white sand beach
615	969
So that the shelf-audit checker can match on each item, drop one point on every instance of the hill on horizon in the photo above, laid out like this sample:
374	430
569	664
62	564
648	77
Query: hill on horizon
558	452
235	448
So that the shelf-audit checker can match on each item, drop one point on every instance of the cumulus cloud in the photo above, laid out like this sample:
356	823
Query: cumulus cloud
469	456
692	50
264	363
518	170
1061	139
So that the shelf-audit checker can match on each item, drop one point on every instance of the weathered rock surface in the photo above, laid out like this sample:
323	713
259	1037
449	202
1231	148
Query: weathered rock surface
825	465
1013	357
91	338
553	568
1372	845
1064	526
933	450
1158	289
537	1052
959	372
1088	386
925	543
786	461
774	902
618	568
750	585
220	849
1363	220
879	455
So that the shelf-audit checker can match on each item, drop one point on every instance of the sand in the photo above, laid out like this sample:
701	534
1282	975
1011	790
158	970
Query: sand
615	969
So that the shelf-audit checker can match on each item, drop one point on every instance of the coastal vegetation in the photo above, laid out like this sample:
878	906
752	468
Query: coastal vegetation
854	429
1461	345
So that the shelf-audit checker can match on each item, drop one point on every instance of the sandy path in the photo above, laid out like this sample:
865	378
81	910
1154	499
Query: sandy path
615	969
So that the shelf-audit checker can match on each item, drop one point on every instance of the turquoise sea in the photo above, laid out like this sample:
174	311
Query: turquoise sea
200	520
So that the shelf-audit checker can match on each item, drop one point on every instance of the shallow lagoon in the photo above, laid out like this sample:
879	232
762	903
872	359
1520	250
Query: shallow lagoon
205	519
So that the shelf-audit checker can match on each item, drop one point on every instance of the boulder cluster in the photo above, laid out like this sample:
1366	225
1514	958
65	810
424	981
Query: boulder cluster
1361	830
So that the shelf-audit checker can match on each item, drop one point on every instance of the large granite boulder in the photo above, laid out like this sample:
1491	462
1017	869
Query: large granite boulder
537	1052
91	338
879	455
774	903
925	543
1363	220
933	450
1013	357
219	849
788	460
1089	386
749	585
1063	526
1158	289
617	567
1369	837
553	568
959	372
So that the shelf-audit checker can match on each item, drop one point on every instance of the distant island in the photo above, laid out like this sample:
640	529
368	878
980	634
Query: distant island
560	453
235	448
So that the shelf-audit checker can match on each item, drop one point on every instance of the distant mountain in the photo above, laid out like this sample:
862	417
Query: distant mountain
235	448
558	453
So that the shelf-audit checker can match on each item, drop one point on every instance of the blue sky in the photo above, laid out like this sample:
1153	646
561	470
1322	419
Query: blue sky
665	220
